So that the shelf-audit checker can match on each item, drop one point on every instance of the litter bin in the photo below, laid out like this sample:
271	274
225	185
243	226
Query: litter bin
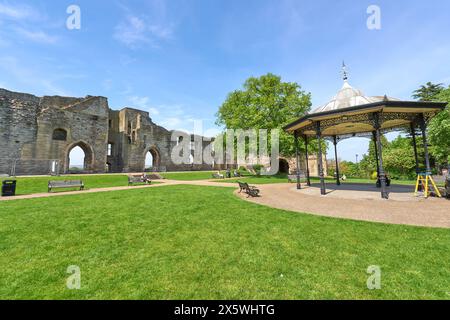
9	188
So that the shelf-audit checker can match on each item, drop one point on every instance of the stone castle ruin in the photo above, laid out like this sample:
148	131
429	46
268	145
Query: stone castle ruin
37	135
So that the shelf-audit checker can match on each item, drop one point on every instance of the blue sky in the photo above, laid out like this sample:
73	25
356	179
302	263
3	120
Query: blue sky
179	59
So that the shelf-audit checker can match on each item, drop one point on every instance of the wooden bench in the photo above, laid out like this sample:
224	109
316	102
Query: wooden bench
134	179
218	176
249	190
60	184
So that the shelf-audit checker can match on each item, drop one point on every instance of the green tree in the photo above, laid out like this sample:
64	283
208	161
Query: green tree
368	164
428	92
439	130
399	159
265	103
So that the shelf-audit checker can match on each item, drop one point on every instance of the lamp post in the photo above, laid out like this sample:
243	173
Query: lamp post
357	155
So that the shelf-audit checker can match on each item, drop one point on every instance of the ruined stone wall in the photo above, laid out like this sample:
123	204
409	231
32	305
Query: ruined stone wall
134	134
28	125
18	126
313	165
86	124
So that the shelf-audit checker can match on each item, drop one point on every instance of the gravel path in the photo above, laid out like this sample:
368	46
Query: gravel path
432	212
345	203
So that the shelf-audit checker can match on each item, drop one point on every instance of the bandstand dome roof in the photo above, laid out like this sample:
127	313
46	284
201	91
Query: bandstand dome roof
351	112
350	97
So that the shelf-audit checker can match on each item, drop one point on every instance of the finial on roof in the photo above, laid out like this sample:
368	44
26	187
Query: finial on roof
344	71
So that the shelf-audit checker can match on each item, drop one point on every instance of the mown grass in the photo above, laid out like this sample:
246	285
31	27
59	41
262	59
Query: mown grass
30	185
191	242
193	175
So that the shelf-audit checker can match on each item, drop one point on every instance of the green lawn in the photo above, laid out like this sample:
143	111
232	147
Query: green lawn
30	185
252	179
192	242
193	175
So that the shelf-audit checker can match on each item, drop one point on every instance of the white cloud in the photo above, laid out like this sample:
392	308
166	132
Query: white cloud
17	12
143	103
153	111
23	21
136	31
36	36
173	117
28	75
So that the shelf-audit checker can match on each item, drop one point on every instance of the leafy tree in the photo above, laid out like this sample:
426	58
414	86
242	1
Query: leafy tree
399	159
428	92
368	163
439	130
350	169
266	103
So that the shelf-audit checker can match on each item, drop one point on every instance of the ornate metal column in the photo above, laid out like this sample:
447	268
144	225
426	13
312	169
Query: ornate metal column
384	193
376	153
338	180
320	160
308	180
423	126
413	135
297	159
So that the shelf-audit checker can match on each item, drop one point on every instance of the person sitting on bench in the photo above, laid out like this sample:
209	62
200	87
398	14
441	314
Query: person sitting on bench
145	178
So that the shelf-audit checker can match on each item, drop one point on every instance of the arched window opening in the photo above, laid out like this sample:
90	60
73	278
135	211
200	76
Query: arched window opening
149	161
110	149
77	161
59	135
283	166
152	160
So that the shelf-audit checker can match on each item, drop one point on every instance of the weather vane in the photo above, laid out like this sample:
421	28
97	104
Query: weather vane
344	71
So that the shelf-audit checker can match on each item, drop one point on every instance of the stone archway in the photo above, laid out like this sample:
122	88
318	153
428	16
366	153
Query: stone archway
283	166
156	158
88	156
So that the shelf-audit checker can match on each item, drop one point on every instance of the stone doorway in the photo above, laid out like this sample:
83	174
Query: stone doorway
86	164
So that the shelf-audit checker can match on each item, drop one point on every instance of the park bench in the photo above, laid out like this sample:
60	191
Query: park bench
249	190
218	176
134	179
154	176
60	184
